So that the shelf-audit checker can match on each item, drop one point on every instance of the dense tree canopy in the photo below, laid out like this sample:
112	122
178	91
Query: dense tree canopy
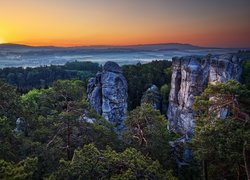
53	122
23	170
91	163
142	76
48	131
41	77
147	132
223	141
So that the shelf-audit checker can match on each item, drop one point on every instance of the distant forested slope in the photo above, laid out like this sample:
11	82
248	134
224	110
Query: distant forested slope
44	76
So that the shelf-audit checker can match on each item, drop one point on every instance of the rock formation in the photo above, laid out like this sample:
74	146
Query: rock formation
152	96
107	94
190	76
20	126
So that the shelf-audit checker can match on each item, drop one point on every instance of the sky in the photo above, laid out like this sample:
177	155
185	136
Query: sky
217	23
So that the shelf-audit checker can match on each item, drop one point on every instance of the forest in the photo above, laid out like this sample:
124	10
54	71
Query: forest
48	130
28	78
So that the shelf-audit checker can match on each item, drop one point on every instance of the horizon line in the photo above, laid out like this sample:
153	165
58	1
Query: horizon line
86	45
120	45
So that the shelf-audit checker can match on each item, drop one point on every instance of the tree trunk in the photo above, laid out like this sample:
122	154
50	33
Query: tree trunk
204	164
238	172
68	140
246	159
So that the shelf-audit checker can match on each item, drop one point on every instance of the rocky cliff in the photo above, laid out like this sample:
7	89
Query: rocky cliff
107	94
190	76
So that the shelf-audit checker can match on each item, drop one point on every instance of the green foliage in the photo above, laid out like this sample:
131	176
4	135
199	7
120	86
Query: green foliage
91	163
54	127
221	94
147	132
68	139
217	141
53	124
8	101
9	110
246	81
9	143
168	72
42	77
165	89
57	125
142	76
23	170
246	73
151	97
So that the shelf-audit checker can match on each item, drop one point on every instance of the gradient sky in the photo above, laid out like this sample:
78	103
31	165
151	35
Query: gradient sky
221	23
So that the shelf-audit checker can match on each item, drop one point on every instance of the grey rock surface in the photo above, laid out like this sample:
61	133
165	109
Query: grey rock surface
190	76
107	94
20	126
152	96
112	67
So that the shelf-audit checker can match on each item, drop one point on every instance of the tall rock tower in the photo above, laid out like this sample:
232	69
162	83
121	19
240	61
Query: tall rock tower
107	94
190	76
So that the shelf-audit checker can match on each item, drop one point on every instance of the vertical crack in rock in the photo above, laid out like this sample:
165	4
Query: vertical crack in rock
107	94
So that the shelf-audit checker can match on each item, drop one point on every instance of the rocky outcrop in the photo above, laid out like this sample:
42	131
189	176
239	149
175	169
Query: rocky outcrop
107	94
190	76
152	96
20	126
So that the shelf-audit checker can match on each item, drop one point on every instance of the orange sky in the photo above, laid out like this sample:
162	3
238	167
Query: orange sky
221	23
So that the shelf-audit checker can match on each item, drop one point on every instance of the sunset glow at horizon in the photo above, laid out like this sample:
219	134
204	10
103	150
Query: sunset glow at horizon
217	23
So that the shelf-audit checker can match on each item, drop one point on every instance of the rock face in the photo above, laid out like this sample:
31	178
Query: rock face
152	96
190	76
107	94
19	126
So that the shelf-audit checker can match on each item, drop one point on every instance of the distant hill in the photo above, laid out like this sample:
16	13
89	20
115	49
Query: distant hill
178	46
153	47
18	55
10	45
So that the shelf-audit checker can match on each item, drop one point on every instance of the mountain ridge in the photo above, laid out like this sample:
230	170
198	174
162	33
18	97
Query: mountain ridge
154	45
